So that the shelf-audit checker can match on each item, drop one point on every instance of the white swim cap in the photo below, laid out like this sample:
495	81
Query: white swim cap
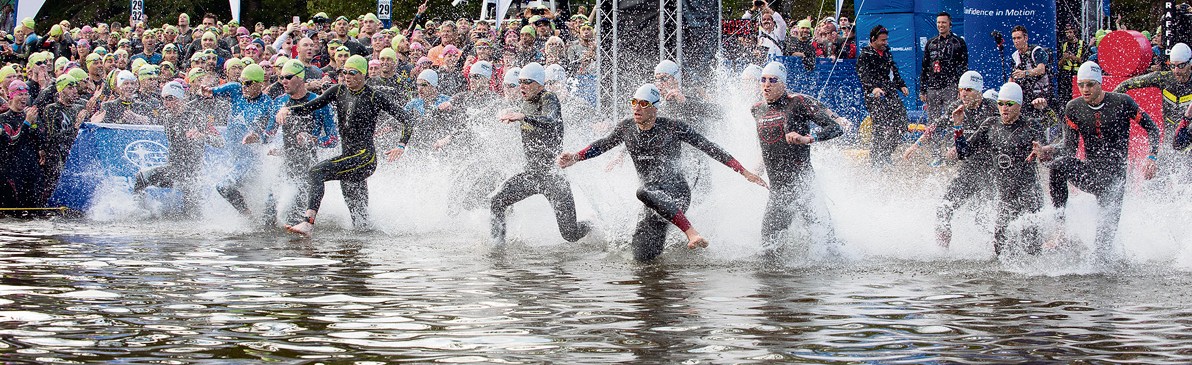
430	76
971	80
667	67
481	68
775	69
533	71
1089	70
1010	92
751	73
1180	53
648	92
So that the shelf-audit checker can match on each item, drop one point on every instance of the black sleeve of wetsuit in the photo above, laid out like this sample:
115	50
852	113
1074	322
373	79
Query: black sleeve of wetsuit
399	114
1066	145
552	113
823	117
320	101
1183	137
693	138
600	146
1147	124
979	140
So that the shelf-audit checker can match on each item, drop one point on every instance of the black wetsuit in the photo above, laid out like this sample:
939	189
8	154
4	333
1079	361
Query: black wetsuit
57	121
479	175
1177	97
876	69
185	158
789	165
20	172
542	141
975	170
1106	134
698	114
299	156
656	156
1006	148
357	114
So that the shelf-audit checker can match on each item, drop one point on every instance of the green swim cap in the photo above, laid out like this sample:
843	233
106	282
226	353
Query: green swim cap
253	73
137	64
6	71
232	62
147	71
388	53
195	74
358	63
63	81
293	67
78	74
55	30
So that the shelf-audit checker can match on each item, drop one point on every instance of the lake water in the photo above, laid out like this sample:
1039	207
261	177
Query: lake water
74	291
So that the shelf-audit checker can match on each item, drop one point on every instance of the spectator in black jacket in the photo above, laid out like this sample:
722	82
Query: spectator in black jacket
880	78
945	58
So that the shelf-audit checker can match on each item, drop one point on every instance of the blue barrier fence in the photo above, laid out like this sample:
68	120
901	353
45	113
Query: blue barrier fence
111	154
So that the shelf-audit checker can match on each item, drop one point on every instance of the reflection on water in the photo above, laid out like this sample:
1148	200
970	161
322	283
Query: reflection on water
172	295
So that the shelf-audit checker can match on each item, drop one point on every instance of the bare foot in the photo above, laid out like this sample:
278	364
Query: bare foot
694	240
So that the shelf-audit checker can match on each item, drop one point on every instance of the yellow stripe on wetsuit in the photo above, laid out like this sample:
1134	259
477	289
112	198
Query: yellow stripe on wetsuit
370	161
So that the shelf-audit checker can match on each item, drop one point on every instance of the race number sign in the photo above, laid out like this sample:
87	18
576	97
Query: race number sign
385	11
137	13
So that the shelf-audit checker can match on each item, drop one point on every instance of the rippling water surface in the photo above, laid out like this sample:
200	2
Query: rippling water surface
85	292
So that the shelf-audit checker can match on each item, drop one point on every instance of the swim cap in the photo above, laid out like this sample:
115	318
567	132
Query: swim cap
534	72
388	53
253	73
483	68
555	73
147	71
28	23
55	30
775	69
1089	70
1010	92
1180	53
648	92
990	94
667	67
971	80
510	76
233	62
195	74
63	81
358	63
751	73
294	67
430	76
125	76
77	73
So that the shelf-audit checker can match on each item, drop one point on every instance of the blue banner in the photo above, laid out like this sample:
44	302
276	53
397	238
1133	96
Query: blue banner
866	7
985	16
834	83
110	154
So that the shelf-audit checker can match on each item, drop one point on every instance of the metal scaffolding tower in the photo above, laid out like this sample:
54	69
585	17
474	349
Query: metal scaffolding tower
670	47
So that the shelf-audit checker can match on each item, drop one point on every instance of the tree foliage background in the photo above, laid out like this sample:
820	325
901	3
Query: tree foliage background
1137	14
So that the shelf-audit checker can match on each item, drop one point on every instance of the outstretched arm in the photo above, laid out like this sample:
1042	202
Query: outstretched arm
597	148
693	138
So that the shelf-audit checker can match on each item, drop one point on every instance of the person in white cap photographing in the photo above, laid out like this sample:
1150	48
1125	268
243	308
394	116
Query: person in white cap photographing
1102	119
653	144
1176	87
965	115
541	123
187	134
784	122
1008	139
